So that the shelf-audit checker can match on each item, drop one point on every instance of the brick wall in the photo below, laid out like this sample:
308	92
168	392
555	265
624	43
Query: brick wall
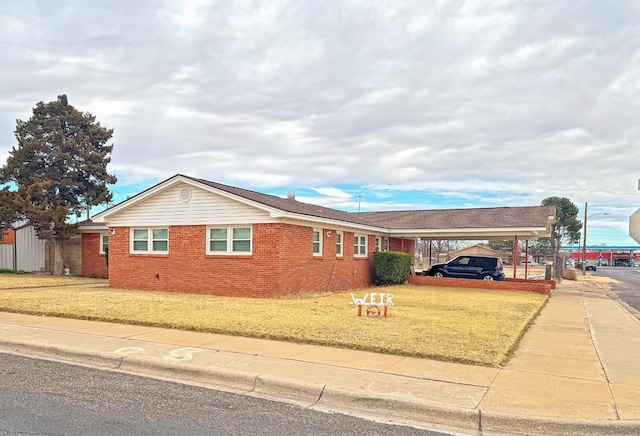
94	264
401	244
8	236
539	286
281	263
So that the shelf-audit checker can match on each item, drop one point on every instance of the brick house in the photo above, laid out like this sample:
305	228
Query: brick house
192	235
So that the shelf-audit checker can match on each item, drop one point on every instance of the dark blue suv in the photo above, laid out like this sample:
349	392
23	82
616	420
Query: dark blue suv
469	267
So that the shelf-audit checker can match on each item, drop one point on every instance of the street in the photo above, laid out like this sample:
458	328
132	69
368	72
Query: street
628	283
39	397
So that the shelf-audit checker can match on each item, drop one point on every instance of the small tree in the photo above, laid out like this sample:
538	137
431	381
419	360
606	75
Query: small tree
58	169
567	227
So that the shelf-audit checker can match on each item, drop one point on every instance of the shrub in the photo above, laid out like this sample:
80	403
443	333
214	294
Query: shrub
392	267
570	274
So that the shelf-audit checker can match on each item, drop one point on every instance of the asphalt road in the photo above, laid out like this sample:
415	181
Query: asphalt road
39	397
628	283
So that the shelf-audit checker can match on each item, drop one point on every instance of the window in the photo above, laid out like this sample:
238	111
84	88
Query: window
150	240
229	240
359	245
317	242
104	242
339	236
377	244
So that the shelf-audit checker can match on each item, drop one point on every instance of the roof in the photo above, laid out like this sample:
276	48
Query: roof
503	217
501	222
88	225
286	204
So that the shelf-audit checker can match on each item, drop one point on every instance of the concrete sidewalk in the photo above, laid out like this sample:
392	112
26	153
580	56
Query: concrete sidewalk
577	370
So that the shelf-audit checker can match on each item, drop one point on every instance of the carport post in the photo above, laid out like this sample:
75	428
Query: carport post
515	255
526	258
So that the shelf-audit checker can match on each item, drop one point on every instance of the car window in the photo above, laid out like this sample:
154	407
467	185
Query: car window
484	262
463	261
481	262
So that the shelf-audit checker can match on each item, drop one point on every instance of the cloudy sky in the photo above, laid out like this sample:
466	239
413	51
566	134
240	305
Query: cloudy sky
372	104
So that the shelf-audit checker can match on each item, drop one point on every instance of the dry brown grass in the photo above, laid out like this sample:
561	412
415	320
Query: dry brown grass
453	324
531	271
21	281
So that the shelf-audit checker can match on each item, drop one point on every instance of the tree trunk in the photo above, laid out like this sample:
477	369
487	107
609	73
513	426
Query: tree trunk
58	257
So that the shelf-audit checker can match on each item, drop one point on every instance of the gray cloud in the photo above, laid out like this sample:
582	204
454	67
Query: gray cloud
536	97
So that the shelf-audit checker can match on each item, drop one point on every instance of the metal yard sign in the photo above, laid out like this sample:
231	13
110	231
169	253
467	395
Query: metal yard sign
374	301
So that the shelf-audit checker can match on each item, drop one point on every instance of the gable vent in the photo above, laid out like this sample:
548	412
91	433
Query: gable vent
185	195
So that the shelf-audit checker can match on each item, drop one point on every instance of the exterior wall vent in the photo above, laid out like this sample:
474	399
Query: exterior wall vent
185	195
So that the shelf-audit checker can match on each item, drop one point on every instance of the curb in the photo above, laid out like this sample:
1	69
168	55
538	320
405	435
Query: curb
326	398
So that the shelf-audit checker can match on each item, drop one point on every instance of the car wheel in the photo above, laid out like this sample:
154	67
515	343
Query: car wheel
488	278
438	274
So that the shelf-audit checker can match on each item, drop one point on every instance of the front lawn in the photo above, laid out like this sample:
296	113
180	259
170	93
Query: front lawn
480	327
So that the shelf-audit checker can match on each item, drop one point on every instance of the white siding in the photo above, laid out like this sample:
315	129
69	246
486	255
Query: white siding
168	208
29	249
6	256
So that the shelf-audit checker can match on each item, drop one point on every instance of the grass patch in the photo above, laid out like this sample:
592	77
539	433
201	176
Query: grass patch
22	281
481	327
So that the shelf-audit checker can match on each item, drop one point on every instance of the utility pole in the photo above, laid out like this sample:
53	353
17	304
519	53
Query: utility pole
584	241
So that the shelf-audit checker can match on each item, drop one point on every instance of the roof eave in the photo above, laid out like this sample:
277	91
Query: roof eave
289	216
473	234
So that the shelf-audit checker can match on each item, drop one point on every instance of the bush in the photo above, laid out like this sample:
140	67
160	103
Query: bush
570	274
392	267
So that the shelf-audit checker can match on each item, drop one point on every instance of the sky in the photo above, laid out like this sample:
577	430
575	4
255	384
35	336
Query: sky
355	105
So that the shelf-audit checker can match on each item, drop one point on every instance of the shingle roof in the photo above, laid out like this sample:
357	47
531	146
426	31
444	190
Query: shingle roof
287	204
498	217
529	218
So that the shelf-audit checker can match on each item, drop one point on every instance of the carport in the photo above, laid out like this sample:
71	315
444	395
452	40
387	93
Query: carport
499	223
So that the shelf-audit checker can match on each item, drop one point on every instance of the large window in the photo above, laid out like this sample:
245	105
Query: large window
229	240
359	245
150	240
317	242
339	244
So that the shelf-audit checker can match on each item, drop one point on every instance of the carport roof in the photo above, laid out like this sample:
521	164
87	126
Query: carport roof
527	222
527	216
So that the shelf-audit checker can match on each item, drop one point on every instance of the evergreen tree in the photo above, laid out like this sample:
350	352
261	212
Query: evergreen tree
567	226
57	170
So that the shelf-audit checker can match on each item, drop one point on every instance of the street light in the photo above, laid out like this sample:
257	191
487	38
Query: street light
584	238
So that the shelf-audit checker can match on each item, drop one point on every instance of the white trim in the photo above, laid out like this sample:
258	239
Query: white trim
150	241
101	244
229	251
315	242
340	235
357	243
